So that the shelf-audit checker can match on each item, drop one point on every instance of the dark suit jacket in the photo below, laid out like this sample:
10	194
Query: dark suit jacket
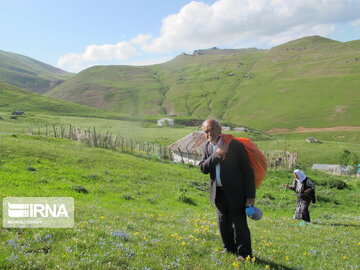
237	176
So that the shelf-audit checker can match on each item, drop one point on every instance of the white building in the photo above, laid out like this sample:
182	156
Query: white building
165	122
333	168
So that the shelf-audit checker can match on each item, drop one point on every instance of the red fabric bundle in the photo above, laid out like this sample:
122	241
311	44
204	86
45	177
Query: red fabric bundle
256	157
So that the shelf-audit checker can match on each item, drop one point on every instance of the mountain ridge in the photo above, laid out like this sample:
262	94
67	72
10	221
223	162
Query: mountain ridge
258	88
29	73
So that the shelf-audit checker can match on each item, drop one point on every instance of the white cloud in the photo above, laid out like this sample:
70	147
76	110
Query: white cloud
95	54
355	23
230	22
141	39
227	23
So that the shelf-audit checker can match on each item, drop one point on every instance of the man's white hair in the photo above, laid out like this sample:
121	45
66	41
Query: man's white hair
214	121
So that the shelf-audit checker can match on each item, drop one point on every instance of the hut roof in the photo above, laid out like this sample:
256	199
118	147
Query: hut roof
192	143
332	167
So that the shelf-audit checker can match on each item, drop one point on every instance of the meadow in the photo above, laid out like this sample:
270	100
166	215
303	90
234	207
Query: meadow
144	213
141	213
328	151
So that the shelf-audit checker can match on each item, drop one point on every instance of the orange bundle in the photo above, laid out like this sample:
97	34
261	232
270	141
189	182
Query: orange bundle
257	159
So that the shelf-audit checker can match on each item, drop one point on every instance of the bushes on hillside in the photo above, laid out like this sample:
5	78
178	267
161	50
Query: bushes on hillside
331	183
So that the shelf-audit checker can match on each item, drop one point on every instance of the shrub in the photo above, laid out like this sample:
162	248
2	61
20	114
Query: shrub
268	196
338	184
184	198
80	189
325	199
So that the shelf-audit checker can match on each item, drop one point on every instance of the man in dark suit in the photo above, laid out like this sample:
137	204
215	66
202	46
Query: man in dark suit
232	187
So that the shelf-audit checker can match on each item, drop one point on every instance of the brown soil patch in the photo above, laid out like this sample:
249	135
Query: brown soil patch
304	129
279	130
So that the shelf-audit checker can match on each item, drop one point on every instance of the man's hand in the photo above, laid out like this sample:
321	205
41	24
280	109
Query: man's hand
222	150
250	201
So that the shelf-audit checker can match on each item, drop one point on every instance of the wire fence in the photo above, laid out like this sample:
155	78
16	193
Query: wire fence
277	160
93	138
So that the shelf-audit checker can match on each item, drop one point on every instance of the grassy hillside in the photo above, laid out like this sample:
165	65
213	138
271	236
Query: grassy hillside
310	82
124	89
142	214
29	73
15	99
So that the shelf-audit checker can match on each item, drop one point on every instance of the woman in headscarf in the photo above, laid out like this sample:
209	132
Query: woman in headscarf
305	190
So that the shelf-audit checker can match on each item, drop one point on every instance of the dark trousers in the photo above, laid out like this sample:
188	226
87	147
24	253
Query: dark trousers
233	226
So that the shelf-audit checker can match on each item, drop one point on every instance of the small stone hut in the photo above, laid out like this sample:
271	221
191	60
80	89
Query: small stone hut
188	149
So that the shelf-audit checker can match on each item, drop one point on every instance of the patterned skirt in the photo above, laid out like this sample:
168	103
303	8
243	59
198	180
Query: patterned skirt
302	210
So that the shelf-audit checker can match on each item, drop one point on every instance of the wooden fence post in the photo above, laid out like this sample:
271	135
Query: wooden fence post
54	130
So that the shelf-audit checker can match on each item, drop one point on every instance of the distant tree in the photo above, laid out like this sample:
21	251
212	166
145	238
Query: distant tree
344	158
354	161
349	158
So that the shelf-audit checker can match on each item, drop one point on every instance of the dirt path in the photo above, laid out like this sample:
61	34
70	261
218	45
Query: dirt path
304	130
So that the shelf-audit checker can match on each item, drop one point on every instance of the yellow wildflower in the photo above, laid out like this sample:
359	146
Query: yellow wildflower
286	258
183	243
267	266
345	257
235	264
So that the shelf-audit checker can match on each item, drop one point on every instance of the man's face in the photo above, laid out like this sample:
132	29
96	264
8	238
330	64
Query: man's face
212	132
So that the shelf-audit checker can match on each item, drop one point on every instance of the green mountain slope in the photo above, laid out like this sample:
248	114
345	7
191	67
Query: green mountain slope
13	98
311	82
125	89
29	73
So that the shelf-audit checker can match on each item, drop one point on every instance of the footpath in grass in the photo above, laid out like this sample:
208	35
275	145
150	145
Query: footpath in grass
136	213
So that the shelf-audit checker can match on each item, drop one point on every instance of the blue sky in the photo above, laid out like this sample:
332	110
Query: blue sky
76	34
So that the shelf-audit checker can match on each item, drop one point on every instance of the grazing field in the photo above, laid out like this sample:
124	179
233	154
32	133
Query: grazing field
326	152
137	213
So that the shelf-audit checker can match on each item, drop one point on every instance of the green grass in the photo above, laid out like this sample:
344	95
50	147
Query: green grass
351	136
15	99
135	215
326	152
127	129
310	82
41	110
29	73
